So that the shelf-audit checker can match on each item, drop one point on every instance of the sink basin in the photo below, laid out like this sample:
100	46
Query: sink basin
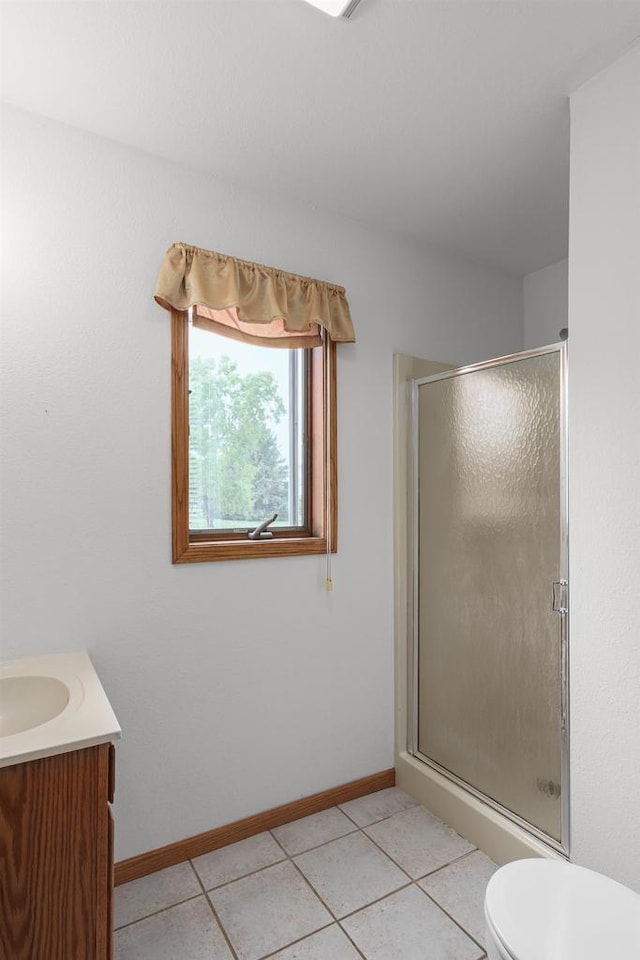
27	702
52	704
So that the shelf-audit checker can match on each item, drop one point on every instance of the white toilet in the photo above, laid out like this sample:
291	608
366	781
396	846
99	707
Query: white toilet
551	910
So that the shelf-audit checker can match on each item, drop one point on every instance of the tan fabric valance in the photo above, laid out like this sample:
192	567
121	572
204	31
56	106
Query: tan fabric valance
248	301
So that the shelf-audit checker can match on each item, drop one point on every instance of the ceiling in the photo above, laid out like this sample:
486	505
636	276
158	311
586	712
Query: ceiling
444	121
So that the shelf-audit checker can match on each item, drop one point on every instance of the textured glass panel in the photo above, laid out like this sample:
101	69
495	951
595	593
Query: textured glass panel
489	679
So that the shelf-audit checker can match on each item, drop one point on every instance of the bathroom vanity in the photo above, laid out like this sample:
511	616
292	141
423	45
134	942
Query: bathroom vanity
56	830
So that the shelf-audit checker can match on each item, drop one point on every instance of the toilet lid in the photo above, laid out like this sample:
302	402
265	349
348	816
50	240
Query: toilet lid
550	910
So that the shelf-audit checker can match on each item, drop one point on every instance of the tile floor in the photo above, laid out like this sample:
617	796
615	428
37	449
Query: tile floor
378	878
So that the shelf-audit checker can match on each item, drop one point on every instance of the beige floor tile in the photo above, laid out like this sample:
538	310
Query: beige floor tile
418	841
268	911
188	931
460	888
140	898
349	873
377	806
237	860
329	944
311	831
409	926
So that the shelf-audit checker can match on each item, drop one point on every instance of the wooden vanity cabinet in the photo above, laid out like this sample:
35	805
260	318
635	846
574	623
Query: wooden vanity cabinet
56	857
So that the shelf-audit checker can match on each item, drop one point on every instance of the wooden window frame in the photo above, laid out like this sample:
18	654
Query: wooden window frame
200	547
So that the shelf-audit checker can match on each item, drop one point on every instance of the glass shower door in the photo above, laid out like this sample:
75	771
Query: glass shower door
490	629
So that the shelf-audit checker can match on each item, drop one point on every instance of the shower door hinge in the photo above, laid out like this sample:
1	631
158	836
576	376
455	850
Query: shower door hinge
560	596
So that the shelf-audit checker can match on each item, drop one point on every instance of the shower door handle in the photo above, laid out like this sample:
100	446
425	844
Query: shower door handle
560	598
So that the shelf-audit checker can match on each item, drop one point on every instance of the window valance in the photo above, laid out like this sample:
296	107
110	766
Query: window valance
248	301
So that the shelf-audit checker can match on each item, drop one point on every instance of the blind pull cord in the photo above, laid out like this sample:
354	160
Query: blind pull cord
328	583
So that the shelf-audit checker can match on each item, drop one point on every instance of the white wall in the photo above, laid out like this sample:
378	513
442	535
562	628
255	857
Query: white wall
604	412
238	685
545	304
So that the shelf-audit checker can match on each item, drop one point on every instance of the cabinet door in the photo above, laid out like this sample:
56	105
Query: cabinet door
54	857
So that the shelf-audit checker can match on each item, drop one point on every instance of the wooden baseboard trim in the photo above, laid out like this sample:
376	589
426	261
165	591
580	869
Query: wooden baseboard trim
173	853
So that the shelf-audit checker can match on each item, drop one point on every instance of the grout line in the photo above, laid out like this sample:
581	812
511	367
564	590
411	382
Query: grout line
314	891
293	943
244	876
462	856
387	896
349	833
382	819
280	845
155	913
222	928
357	825
445	865
215	914
337	919
290	856
399	865
415	882
389	857
325	905
361	830
286	858
351	941
334	919
453	919
384	853
366	906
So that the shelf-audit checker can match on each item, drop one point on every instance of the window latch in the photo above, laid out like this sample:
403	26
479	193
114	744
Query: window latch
261	532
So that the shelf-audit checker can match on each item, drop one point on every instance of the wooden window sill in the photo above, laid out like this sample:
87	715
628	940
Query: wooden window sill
202	551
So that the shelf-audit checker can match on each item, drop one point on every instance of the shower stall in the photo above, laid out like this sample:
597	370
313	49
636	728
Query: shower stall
487	588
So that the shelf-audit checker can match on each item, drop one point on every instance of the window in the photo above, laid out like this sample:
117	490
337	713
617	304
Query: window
251	430
248	442
247	435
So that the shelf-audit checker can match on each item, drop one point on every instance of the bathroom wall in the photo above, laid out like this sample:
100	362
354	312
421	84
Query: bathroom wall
604	418
545	304
239	685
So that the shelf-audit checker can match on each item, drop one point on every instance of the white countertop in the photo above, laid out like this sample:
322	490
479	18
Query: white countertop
86	720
